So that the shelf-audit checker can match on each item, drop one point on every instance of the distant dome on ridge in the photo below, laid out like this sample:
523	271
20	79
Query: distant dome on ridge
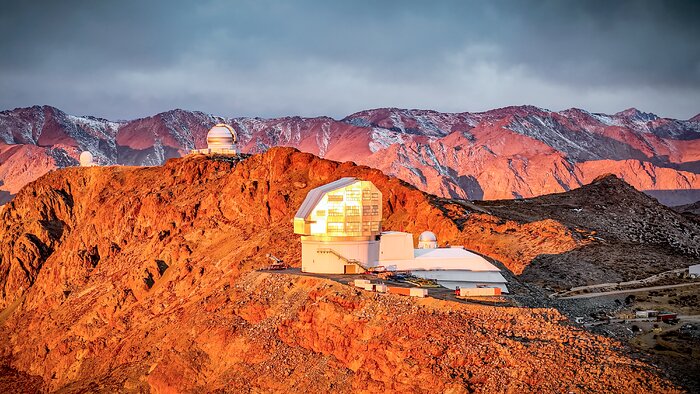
86	159
221	140
221	136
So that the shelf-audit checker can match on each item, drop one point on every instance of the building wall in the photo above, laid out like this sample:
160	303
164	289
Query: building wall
365	251
396	246
208	151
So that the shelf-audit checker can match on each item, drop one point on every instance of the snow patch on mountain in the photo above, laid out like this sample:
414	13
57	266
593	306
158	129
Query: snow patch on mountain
384	138
323	139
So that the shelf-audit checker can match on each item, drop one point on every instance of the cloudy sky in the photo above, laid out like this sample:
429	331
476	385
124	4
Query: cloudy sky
125	59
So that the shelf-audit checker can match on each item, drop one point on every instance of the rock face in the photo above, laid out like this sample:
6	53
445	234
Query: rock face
132	279
504	153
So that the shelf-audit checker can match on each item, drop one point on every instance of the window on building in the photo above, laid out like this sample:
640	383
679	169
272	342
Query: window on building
335	211
336	228
335	197
352	195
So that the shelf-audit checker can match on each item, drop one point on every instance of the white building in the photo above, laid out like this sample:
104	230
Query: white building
340	228
451	267
694	271
221	139
339	224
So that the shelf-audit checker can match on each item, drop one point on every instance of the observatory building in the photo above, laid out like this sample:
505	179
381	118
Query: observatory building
221	139
452	267
86	159
339	224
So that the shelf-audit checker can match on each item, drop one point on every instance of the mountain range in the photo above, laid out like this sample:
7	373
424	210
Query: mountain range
506	153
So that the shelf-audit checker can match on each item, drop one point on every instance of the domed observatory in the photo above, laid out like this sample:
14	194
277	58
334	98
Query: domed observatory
427	240
221	139
340	224
86	159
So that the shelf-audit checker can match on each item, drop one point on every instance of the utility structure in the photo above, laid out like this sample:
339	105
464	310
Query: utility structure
340	224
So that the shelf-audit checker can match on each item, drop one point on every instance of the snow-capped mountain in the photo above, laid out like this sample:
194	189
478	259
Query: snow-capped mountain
510	152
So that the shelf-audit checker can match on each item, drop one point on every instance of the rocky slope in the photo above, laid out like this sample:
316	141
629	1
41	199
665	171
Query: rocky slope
503	153
129	279
692	209
631	235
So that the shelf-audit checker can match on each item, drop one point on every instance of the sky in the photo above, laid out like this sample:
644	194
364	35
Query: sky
128	59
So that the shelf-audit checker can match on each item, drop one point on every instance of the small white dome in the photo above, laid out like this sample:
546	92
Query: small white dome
427	236
221	136
86	159
427	240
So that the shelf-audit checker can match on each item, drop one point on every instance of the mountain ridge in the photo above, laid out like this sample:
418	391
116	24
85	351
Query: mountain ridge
510	152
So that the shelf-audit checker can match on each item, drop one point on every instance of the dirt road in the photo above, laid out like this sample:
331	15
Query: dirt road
637	290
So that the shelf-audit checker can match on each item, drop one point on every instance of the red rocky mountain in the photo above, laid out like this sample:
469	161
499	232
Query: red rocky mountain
509	152
125	279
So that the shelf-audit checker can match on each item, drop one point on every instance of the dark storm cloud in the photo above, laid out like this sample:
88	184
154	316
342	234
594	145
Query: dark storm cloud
125	59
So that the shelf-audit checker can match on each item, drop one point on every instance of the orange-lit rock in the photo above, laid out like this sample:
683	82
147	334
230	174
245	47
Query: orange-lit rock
130	279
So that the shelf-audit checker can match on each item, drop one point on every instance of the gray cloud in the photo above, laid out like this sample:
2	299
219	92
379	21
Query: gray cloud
270	58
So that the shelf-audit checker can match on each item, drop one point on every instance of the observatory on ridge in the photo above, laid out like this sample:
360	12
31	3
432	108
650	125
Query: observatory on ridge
340	224
452	267
221	139
86	159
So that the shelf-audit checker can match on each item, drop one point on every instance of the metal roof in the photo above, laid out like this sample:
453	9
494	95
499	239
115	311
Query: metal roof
315	195
455	258
463	276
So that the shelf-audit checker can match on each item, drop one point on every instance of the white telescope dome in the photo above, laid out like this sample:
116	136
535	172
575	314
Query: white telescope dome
86	159
427	236
427	240
221	136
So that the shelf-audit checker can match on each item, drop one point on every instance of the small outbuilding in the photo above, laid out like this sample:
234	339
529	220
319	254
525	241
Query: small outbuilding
694	271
